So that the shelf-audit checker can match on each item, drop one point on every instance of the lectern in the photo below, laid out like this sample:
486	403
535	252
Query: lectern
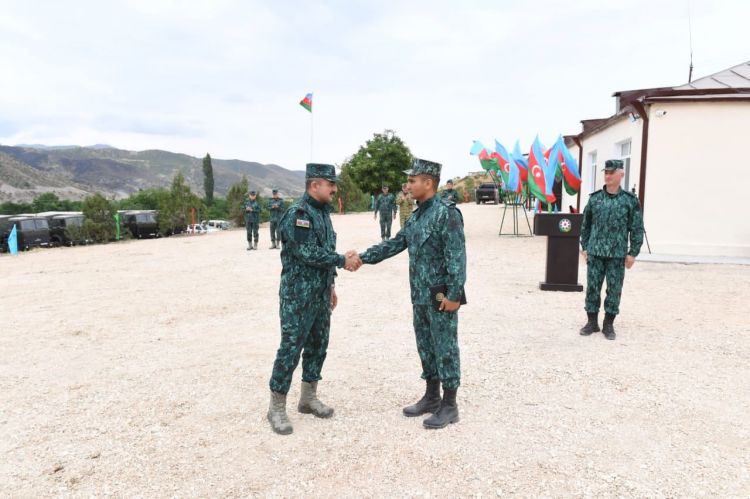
563	231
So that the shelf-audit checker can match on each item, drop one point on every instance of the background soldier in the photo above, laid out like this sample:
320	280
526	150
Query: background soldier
307	295
252	220
449	192
434	235
611	217
385	205
405	203
275	209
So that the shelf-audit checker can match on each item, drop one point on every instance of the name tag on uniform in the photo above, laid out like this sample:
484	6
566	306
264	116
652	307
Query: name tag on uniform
303	223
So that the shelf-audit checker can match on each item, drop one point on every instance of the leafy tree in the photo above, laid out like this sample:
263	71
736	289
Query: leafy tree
352	196
146	199
11	208
99	223
175	208
381	161
45	202
235	198
208	179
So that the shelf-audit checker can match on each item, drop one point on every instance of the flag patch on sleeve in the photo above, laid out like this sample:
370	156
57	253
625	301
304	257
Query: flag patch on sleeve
303	223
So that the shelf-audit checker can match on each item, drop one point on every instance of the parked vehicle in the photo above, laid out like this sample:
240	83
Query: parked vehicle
65	230
196	229
487	192
140	223
31	231
218	224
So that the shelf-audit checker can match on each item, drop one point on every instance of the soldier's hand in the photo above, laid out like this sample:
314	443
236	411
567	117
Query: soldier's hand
353	262
629	261
585	256
449	306
334	299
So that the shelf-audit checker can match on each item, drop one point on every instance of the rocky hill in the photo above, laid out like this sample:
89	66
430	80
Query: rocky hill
72	172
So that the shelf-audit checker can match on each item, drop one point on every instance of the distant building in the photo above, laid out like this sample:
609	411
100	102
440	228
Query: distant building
685	154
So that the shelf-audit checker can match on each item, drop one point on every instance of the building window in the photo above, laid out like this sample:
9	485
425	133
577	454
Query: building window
592	170
624	154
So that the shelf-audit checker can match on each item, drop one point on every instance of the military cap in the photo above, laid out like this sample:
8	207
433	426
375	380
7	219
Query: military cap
613	164
274	191
424	167
252	193
321	170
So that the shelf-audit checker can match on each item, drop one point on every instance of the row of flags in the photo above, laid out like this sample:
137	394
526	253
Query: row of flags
536	172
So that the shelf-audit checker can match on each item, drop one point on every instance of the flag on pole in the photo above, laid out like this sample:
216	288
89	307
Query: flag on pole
537	167
569	166
13	241
521	162
307	102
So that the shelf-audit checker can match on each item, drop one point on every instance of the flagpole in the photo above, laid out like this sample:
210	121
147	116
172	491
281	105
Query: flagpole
311	136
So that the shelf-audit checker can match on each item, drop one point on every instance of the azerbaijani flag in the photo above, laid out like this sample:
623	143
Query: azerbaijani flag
307	102
521	162
569	166
537	165
503	161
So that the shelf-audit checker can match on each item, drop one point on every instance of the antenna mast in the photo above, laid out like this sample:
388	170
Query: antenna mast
690	33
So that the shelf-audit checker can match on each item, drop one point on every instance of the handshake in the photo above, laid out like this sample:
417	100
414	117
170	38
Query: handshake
353	262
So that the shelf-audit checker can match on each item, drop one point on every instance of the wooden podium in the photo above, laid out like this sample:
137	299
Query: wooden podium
563	231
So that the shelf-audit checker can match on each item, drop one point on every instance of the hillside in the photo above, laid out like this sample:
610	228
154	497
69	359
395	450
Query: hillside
72	172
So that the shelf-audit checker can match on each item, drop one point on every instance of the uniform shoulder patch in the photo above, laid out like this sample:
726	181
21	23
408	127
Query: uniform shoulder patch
305	224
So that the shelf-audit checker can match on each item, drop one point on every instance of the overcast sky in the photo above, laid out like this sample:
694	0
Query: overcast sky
226	77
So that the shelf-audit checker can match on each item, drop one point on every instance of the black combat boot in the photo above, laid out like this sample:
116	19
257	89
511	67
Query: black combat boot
592	326
447	414
429	403
608	326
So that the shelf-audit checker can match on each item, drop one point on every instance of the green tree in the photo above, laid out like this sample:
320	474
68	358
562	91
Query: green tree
99	223
175	209
208	179
381	161
11	208
236	197
46	202
145	199
352	196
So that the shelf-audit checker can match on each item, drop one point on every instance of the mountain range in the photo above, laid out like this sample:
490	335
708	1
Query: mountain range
73	172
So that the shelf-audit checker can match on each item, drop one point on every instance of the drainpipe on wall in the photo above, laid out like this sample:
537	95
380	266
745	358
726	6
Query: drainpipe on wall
641	109
578	140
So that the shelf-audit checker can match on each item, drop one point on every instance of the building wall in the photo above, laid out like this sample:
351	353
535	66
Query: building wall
698	175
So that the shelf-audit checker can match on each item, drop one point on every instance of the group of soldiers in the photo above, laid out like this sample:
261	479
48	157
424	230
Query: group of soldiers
433	234
251	212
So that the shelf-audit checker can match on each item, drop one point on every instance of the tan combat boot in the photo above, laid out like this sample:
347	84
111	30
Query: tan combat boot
309	403
277	414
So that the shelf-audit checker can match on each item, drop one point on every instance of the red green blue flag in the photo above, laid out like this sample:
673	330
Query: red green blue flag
307	102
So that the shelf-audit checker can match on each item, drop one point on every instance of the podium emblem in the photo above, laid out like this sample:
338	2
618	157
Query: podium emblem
565	225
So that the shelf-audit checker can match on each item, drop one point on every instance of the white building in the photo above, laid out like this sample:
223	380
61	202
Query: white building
686	155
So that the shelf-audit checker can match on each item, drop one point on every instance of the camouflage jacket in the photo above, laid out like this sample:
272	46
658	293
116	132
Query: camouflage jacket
386	204
450	194
251	211
609	220
308	255
434	235
275	209
405	203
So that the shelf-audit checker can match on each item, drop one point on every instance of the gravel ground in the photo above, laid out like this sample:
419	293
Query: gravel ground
140	369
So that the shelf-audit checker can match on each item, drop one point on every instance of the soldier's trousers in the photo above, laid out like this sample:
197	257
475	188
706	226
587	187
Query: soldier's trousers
385	225
304	330
275	236
437	344
252	231
402	217
599	268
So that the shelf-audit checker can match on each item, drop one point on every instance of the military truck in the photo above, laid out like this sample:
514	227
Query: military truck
31	231
141	223
65	230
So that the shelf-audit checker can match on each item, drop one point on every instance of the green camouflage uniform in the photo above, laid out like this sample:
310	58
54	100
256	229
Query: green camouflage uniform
405	205
275	210
434	235
450	194
385	205
609	220
309	262
252	219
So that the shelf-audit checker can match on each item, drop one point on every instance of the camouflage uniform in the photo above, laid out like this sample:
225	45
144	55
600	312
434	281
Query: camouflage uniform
275	210
309	262
434	236
385	205
251	211
450	194
609	220
405	204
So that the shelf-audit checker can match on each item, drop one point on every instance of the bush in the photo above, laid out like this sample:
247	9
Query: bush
99	224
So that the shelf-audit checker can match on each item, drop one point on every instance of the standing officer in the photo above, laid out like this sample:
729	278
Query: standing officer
275	209
405	204
385	205
611	218
307	295
434	235
449	192
252	220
